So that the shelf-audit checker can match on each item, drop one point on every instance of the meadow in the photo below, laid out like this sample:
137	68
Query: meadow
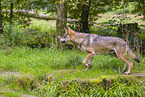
54	72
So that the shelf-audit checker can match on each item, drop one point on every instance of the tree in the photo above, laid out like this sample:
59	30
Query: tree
86	11
11	12
61	18
1	26
84	16
11	15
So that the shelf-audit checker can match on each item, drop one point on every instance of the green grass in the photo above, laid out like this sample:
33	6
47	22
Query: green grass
24	59
45	72
44	26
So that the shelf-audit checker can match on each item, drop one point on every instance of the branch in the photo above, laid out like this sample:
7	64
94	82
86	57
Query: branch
37	16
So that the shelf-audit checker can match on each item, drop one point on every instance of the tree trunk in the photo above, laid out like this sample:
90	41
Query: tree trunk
61	19
11	16
1	26
11	13
84	17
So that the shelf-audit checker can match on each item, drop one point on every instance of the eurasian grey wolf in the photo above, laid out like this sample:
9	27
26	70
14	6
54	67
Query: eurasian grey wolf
95	44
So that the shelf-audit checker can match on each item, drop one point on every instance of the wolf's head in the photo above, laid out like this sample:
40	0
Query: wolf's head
66	37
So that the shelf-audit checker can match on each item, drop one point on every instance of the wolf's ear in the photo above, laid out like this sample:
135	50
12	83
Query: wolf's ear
66	30
70	30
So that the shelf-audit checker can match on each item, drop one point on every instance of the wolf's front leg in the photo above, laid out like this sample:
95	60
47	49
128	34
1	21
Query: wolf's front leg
89	57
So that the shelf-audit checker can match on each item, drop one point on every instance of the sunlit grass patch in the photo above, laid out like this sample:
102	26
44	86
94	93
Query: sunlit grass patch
44	26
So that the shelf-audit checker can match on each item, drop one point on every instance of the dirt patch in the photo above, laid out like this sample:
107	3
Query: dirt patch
7	73
140	74
28	96
2	96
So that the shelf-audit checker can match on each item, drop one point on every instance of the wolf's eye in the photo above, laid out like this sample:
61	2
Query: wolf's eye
59	37
65	36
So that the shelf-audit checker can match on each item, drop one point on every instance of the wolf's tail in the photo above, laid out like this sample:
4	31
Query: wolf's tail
132	54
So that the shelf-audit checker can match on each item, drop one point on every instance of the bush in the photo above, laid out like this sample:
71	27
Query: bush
14	35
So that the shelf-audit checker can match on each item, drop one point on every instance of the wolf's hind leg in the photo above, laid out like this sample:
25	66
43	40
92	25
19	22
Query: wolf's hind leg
123	58
121	52
129	69
90	62
124	69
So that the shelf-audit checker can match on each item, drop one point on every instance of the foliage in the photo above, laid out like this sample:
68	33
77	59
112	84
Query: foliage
139	8
39	34
28	5
11	39
47	6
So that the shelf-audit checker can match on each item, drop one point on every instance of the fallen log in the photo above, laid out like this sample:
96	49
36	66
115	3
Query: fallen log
37	16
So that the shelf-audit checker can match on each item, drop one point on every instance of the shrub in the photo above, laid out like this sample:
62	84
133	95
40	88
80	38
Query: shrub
33	36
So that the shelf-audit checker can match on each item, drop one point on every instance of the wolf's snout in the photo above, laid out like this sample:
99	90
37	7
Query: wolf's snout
62	41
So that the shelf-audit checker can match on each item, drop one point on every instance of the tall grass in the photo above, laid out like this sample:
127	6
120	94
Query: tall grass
24	59
38	34
53	72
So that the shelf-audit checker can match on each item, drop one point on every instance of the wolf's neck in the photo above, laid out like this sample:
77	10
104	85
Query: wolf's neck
78	37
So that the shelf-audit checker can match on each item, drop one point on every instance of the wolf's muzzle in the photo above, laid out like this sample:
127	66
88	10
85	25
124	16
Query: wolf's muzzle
63	41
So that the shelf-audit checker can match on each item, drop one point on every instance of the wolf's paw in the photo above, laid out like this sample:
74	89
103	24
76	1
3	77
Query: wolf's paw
88	67
127	73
